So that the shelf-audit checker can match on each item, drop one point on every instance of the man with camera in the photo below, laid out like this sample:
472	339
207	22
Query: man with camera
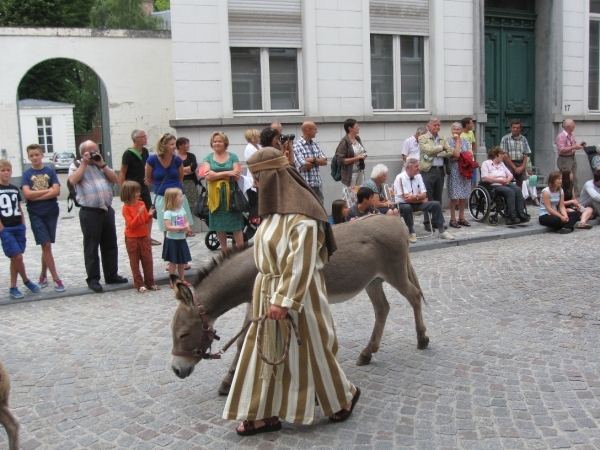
566	146
309	157
93	179
286	142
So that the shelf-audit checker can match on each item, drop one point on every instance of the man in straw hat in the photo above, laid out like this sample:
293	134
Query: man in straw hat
291	247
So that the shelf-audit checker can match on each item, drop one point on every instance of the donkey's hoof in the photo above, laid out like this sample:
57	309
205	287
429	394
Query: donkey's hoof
224	388
363	360
423	343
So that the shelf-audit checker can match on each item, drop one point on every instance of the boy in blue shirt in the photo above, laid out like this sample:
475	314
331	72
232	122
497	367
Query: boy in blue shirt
41	189
12	230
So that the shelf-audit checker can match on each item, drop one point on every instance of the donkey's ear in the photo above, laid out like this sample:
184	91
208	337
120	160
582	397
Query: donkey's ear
182	292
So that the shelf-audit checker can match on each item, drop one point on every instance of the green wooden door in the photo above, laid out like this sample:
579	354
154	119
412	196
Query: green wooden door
509	76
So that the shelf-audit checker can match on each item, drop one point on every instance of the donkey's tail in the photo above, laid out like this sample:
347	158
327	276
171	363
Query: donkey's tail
412	277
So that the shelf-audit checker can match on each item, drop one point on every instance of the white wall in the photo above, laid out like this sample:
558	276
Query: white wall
63	133
135	66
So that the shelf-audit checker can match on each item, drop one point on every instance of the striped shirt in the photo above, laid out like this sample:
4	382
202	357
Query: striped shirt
94	190
302	151
515	147
290	251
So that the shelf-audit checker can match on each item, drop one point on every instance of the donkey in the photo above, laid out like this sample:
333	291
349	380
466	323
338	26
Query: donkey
7	419
370	251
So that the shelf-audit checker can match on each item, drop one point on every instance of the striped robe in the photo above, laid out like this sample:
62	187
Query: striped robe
290	252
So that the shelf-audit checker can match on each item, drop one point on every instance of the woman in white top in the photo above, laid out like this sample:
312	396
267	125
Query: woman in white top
553	213
252	136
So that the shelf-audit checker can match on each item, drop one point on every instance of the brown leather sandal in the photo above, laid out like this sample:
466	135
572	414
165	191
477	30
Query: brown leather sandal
344	413
464	223
271	424
454	224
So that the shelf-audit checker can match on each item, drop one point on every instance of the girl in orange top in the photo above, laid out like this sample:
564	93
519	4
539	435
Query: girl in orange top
137	238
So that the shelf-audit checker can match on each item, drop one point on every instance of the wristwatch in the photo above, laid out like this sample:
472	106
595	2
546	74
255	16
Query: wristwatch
102	167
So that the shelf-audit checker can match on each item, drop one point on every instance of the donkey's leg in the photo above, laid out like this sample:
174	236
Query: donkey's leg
226	382
11	424
414	295
381	307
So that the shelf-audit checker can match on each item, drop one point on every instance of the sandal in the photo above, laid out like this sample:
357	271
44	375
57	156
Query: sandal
142	289
464	223
187	283
187	267
344	413
154	287
154	242
536	202
584	226
271	424
190	234
171	284
454	224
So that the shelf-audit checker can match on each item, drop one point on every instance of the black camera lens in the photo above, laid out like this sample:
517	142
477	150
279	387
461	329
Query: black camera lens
95	156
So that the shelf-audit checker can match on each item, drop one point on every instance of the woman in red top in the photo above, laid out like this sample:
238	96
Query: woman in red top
137	238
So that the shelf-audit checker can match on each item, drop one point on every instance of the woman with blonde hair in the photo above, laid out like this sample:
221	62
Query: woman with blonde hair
252	136
165	170
221	170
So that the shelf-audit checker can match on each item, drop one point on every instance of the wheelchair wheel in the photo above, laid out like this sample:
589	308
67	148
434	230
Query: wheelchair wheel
493	219
479	204
211	241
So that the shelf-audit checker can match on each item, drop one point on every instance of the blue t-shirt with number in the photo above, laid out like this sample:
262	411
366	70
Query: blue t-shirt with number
10	214
39	180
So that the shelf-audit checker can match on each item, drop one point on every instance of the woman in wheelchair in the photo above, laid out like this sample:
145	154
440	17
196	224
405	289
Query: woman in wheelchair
494	171
553	213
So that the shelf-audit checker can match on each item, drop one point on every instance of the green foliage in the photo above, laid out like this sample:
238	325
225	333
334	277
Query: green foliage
122	14
45	13
162	5
68	81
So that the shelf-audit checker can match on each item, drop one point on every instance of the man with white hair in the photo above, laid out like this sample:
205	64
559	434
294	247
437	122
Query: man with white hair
411	194
434	151
566	145
410	148
93	180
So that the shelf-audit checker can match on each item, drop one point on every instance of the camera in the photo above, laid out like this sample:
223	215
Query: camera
95	156
361	163
286	137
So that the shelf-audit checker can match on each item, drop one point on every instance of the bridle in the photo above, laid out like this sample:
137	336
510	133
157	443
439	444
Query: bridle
208	336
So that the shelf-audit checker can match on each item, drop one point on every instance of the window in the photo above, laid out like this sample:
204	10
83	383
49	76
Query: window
594	57
264	79
397	72
44	126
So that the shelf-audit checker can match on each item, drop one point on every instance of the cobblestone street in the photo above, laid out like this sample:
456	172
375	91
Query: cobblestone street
513	362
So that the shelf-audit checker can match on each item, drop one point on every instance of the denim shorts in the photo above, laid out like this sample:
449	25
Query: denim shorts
13	240
43	228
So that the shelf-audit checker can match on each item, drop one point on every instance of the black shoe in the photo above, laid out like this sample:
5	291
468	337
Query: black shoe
512	220
117	279
564	231
524	217
95	286
427	227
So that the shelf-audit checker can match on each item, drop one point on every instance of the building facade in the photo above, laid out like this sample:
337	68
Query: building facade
391	65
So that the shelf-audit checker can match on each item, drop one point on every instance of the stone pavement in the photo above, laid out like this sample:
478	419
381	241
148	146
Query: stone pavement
68	250
513	362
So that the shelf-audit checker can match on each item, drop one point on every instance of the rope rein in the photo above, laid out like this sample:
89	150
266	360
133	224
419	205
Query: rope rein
259	337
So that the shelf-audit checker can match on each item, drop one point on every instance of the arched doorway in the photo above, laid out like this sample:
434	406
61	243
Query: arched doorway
61	103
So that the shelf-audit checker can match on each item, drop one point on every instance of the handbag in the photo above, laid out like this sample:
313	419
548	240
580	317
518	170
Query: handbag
237	200
201	207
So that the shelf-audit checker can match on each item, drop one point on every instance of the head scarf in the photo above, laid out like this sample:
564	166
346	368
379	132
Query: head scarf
282	190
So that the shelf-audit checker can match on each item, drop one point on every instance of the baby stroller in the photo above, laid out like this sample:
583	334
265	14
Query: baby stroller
251	219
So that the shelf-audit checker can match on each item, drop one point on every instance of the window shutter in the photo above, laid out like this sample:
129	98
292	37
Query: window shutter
265	23
399	17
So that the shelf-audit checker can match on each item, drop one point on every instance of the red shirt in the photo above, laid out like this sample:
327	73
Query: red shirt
135	226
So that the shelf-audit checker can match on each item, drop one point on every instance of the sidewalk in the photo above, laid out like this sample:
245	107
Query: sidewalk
68	251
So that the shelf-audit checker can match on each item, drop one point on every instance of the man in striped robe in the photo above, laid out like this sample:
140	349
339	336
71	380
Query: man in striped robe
291	247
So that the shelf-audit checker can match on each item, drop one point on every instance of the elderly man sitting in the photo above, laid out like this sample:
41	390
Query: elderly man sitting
494	171
375	183
411	194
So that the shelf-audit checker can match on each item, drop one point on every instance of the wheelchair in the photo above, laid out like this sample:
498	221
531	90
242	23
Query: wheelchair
486	204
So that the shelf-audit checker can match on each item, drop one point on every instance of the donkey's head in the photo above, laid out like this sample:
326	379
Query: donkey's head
191	329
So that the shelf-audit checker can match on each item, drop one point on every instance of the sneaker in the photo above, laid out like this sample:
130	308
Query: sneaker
15	292
412	238
59	286
43	282
32	286
447	236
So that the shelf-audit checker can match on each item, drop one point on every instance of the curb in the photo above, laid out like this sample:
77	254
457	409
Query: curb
163	280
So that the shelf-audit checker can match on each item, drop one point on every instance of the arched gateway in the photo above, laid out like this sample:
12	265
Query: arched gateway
135	67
